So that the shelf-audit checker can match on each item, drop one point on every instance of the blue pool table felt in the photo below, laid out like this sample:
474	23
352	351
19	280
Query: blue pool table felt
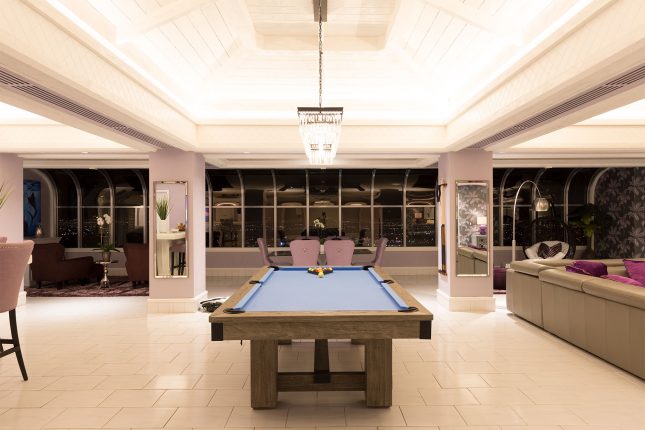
346	289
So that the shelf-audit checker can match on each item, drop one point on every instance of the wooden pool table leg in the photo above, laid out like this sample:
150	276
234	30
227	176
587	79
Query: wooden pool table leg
264	373
321	361
378	372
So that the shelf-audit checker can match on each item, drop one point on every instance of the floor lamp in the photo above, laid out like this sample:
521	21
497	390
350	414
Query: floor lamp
540	205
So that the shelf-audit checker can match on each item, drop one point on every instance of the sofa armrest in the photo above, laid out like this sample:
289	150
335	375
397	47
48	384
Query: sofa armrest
562	278
76	268
626	294
529	267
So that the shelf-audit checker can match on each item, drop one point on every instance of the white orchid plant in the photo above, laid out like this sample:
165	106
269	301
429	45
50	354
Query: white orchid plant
103	222
319	226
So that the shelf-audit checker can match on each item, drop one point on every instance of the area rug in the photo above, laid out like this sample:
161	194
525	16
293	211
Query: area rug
119	286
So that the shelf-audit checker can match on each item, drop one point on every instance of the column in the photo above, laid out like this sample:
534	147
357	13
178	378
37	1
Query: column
11	213
180	294
461	288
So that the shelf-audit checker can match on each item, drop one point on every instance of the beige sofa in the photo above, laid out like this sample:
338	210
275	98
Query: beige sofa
604	317
472	261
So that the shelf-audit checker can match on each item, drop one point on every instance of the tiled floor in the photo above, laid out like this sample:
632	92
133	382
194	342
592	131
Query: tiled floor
105	363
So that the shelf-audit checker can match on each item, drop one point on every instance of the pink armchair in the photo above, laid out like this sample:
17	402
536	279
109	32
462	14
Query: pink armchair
13	261
339	252
304	252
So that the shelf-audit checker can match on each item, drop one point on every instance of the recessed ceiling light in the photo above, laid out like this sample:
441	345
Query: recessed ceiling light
85	152
246	152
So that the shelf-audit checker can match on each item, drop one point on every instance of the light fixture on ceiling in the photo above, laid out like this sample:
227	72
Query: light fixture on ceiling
320	126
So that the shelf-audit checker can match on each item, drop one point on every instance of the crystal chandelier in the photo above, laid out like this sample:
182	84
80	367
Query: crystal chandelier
320	126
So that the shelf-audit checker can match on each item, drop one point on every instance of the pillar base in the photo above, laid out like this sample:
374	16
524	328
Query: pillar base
466	304
177	305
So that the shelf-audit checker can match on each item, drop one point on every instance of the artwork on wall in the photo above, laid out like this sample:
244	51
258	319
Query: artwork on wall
31	207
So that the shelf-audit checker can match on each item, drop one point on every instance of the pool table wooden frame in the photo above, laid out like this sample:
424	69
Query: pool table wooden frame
374	329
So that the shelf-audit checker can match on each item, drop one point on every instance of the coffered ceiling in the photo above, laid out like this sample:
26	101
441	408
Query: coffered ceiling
416	77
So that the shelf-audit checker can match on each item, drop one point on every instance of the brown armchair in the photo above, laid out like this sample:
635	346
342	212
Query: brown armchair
49	264
136	262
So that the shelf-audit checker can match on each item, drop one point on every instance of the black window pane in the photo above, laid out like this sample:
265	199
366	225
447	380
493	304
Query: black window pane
388	222
356	187
258	188
420	187
227	227
68	227
420	226
357	225
388	187
226	187
323	188
551	184
291	187
65	187
579	187
291	224
258	222
127	187
95	190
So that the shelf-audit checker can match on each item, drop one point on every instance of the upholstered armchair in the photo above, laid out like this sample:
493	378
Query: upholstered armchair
136	262
49	265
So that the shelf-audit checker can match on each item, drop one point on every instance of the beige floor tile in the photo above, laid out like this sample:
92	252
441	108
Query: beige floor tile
110	369
244	416
289	399
82	418
78	399
410	396
34	383
547	415
338	398
125	382
500	396
84	382
316	416
173	382
454	380
26	399
489	415
362	416
141	418
539	428
471	428
471	367
132	398
406	428
185	398
201	368
231	397
431	416
447	396
240	369
510	380
30	418
210	417
211	382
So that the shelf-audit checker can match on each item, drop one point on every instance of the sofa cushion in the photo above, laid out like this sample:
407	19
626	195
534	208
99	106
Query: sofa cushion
629	295
534	253
572	281
636	270
623	280
587	267
546	251
529	267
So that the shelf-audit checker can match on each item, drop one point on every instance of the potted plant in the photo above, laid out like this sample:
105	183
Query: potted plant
162	208
105	246
590	219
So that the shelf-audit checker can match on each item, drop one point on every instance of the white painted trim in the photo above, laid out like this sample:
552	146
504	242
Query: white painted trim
176	305
22	298
466	304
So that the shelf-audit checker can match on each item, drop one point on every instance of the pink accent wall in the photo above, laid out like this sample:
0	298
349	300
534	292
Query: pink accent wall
11	224
176	165
464	165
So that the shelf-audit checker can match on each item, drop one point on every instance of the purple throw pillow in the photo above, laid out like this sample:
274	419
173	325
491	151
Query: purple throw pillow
624	280
585	267
635	270
546	251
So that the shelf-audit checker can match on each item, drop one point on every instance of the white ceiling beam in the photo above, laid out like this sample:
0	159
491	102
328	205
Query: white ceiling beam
500	28
148	22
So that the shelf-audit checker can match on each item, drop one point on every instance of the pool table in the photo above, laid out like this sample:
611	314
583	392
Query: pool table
361	303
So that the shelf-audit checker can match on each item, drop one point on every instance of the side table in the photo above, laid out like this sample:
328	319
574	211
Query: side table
105	282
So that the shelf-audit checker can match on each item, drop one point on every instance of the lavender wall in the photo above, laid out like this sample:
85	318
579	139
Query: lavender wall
176	165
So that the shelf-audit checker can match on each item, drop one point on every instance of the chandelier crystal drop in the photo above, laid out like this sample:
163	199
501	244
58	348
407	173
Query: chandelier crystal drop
320	126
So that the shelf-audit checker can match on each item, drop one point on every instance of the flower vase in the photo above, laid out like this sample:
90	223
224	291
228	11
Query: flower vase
163	225
322	248
105	256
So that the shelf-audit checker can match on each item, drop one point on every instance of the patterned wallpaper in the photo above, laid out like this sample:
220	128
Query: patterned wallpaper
472	202
621	192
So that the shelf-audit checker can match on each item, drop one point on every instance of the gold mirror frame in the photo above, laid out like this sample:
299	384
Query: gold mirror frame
472	249
168	236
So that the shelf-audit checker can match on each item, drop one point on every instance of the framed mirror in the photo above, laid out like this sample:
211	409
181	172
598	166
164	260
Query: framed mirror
472	228
170	227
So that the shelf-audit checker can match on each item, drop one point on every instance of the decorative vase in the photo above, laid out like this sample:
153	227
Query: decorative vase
106	256
163	225
322	248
